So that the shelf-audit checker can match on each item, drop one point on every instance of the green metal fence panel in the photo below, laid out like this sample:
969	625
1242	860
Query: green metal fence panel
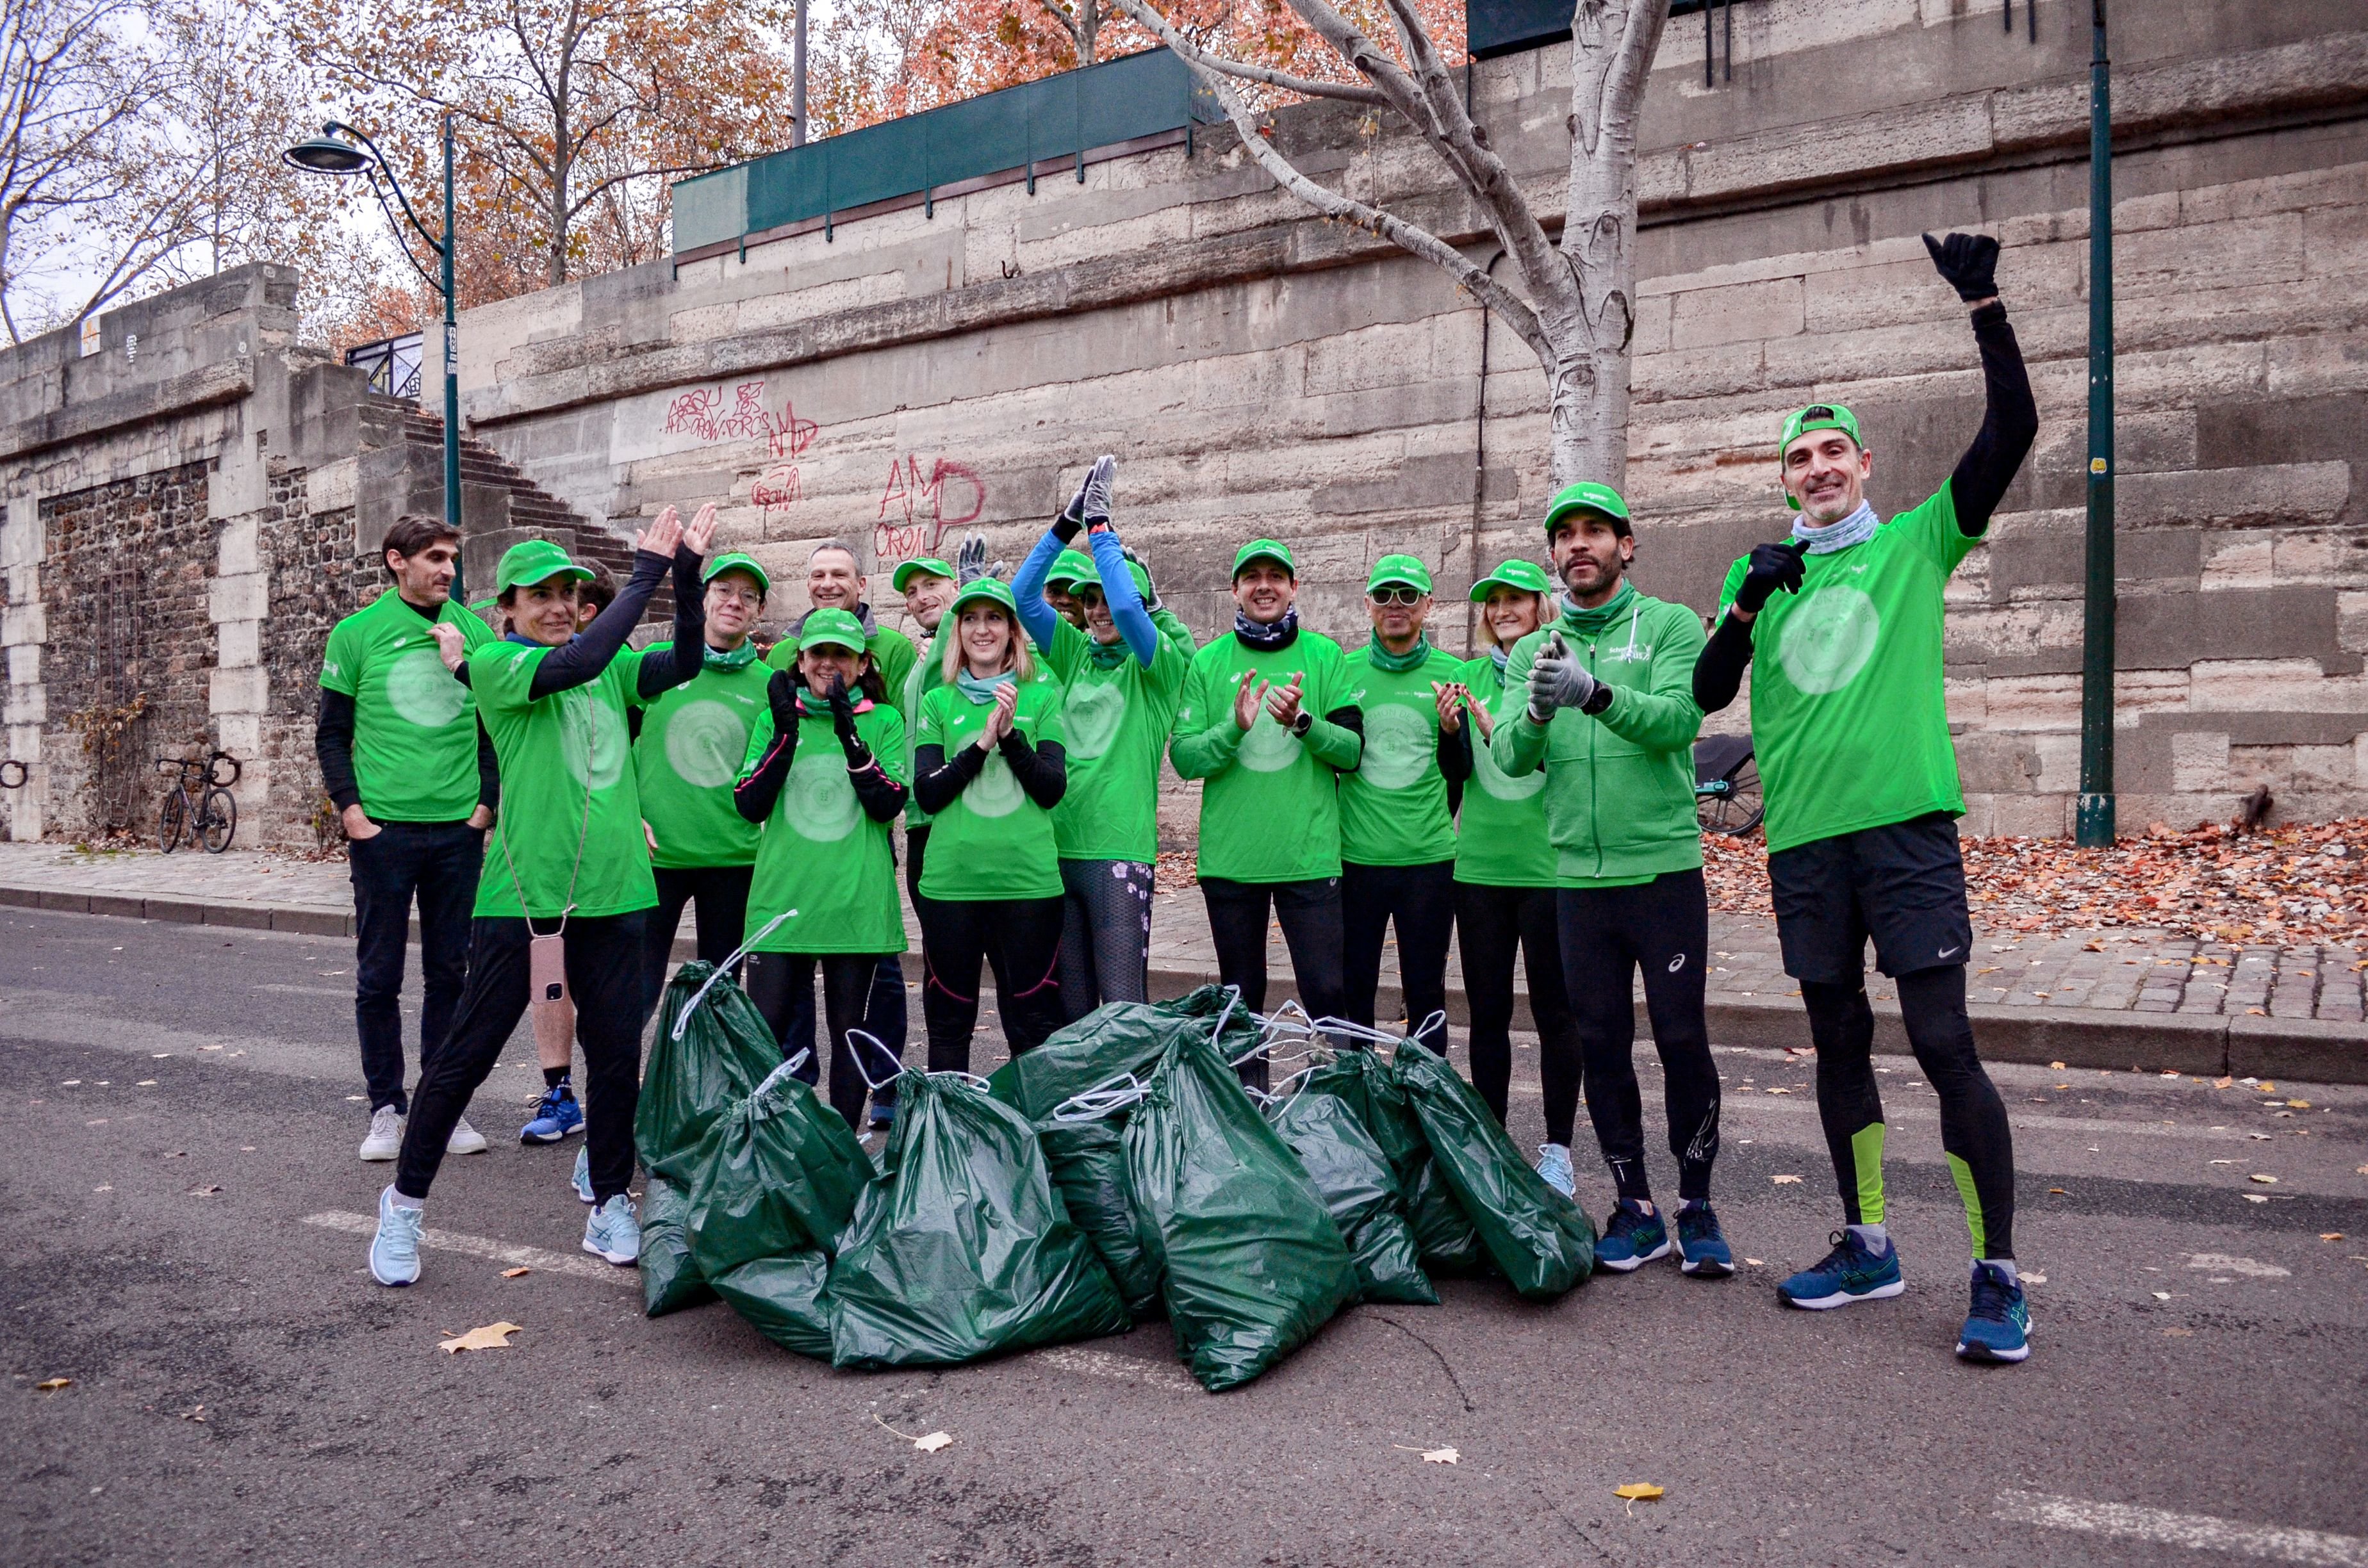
1060	117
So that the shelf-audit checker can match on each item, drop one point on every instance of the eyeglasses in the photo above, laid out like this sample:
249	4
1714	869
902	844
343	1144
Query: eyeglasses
1408	597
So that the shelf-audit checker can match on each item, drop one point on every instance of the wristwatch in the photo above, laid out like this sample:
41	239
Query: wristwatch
1301	725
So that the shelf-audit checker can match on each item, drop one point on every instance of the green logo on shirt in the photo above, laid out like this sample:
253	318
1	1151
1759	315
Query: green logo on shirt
1092	715
996	791
818	802
1399	743
1828	638
423	692
1499	784
1267	747
704	743
592	739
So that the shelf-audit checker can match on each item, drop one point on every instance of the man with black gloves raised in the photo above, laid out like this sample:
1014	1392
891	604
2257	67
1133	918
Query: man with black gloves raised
1853	736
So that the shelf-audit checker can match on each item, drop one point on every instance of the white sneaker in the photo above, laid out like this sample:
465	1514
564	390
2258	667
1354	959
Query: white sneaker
385	1139
465	1138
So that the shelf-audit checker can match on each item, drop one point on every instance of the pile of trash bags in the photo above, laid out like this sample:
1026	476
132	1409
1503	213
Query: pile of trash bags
1119	1173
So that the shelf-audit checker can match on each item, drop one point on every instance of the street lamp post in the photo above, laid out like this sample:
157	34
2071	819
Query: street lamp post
2093	816
333	153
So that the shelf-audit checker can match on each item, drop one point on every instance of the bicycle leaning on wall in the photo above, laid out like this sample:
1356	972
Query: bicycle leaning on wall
199	810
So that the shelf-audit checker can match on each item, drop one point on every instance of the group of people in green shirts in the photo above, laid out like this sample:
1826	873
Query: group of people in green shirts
1534	803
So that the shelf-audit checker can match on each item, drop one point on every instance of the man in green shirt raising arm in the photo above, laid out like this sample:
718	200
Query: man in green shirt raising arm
1267	723
1850	726
1611	717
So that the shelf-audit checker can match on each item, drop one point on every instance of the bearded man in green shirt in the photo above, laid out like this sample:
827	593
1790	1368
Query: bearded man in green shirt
1841	624
1610	717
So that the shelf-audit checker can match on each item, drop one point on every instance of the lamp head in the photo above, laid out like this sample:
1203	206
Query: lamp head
327	153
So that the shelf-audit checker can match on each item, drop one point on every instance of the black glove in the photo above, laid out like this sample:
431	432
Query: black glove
781	697
1967	263
842	720
1773	566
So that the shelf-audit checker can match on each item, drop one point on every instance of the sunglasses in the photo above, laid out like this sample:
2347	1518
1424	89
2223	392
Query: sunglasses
1408	597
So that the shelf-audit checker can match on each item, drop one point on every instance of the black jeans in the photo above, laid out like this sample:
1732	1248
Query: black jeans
720	894
777	982
1019	938
1309	912
1661	927
882	1016
1492	925
435	862
604	978
1421	900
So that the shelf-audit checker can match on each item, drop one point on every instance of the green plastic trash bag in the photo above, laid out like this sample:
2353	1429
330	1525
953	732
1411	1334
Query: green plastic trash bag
963	1248
1254	1264
1348	1168
782	1299
1538	1239
1443	1236
779	1173
1088	1165
1117	1039
723	1051
670	1280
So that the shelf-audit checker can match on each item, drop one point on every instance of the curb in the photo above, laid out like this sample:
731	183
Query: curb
2316	1051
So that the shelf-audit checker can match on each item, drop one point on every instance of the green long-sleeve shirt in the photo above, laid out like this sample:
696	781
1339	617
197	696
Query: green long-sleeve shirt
1271	812
1620	784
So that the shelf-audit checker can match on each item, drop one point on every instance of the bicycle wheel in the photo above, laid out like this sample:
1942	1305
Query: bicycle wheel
172	821
1736	809
218	820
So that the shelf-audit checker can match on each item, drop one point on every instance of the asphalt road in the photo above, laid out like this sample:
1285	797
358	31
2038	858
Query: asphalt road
178	1188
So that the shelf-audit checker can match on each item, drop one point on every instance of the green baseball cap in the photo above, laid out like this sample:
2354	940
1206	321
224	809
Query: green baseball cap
994	590
929	564
1142	575
1819	416
1264	549
535	560
1398	569
737	561
1072	566
1523	576
1587	496
831	626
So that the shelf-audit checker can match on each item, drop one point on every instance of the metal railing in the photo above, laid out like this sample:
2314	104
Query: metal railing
393	364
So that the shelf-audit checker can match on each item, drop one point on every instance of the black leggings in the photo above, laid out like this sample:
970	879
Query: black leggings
1309	912
1608	935
1020	939
720	894
777	980
1973	1131
604	978
1105	934
1421	899
1492	925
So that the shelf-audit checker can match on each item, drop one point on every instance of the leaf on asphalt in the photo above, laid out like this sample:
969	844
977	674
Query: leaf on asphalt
51	1385
2264	1180
1755	1262
2299	1105
933	1442
513	1273
2056	1067
207	1191
2330	1236
1638	1492
2179	1334
2034	1278
2223	1083
2265	1086
196	1412
2059	1192
145	1084
2361	1171
1785	1180
1780	1091
2254	1197
492	1336
2161	1295
1441	1456
2224	1162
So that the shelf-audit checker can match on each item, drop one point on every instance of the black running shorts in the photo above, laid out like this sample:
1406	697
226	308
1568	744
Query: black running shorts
1903	884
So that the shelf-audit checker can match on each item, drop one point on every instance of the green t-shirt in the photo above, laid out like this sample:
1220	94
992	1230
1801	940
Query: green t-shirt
688	753
414	725
1114	719
1270	810
890	649
822	853
927	675
993	842
1500	836
553	752
1848	717
1394	808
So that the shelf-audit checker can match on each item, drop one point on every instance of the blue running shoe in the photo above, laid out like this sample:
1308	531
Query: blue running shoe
1701	1249
1632	1238
1850	1273
1998	1328
582	1181
1554	1169
555	1115
394	1251
612	1232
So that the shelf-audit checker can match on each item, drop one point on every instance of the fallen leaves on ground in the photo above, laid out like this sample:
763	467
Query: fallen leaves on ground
492	1336
2330	1236
513	1273
1785	1180
51	1385
1432	1456
1639	1491
928	1445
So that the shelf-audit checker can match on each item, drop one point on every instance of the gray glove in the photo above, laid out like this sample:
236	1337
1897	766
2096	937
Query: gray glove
1557	680
1151	599
1090	506
970	561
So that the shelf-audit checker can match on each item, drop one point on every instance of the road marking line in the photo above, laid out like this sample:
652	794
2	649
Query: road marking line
1125	1368
488	1249
2200	1531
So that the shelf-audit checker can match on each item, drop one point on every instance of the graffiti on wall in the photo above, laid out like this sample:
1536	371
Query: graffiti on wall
916	508
703	413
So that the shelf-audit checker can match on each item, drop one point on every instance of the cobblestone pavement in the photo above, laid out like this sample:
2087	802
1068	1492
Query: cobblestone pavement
2125	969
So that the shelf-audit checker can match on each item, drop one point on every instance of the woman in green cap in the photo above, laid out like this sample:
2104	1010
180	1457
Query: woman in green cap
1505	871
989	768
566	886
824	776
